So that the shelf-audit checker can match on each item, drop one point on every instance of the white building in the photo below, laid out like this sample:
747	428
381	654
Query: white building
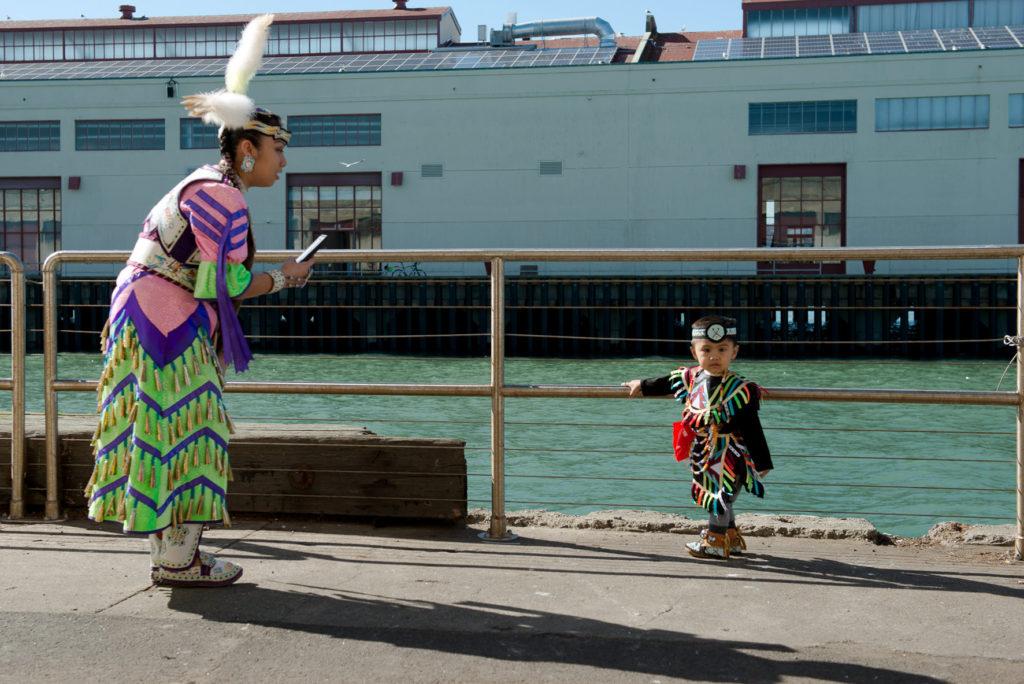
807	132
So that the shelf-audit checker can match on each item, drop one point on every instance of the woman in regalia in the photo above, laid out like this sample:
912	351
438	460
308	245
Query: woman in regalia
161	447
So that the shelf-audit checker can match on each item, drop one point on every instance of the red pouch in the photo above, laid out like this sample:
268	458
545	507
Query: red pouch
682	439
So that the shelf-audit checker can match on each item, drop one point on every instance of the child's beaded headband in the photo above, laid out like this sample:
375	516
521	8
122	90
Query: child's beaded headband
716	332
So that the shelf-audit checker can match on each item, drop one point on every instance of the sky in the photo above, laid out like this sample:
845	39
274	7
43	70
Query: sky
625	16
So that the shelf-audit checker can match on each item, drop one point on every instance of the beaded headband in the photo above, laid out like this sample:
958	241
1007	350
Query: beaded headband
276	132
716	332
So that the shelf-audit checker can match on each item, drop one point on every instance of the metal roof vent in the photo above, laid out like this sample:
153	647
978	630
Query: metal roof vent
127	11
597	26
432	170
400	4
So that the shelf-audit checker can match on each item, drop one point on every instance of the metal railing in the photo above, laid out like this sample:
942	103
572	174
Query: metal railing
497	389
16	383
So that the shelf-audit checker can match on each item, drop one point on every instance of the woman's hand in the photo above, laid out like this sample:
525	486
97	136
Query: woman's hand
296	274
634	388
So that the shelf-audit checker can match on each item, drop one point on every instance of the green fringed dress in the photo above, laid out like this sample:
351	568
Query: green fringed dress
161	445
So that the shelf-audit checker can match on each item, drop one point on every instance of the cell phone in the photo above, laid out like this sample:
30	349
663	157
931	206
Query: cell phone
311	250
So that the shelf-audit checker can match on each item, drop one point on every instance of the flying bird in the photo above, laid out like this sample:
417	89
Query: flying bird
349	164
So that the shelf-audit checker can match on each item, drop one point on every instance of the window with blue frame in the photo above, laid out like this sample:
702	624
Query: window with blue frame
998	12
196	134
824	116
909	16
1017	110
119	134
798	22
334	130
931	113
29	136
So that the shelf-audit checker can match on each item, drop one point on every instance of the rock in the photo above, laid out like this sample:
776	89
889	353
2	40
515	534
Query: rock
953	533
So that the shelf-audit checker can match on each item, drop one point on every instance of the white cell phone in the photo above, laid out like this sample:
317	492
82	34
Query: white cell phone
311	250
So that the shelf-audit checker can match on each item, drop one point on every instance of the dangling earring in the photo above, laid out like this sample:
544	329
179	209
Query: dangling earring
248	164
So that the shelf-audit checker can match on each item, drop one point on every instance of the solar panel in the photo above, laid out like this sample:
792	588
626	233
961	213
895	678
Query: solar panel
885	43
711	50
780	47
746	48
849	44
814	46
958	39
467	62
312	64
1018	33
995	37
921	41
840	44
489	59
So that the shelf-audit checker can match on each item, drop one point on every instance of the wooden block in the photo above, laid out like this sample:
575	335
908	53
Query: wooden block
288	469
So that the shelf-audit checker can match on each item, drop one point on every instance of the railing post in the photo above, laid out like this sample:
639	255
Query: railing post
498	529
17	387
1018	546
52	510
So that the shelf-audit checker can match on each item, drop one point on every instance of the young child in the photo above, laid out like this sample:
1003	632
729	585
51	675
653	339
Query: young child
720	433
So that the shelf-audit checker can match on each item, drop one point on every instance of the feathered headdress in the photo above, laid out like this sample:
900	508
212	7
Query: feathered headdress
231	107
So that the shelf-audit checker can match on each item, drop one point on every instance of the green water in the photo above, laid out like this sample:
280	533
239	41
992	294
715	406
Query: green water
580	455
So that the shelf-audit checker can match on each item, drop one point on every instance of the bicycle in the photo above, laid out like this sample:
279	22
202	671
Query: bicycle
402	270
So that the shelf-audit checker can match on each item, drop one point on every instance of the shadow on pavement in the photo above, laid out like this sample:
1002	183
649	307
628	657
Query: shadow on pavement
762	567
516	635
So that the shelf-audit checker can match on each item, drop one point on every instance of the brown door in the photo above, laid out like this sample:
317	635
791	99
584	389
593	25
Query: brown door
801	206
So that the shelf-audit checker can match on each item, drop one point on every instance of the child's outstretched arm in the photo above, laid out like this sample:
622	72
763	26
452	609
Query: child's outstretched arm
649	387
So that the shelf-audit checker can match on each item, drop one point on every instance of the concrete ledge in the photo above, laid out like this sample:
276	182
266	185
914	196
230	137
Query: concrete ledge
755	525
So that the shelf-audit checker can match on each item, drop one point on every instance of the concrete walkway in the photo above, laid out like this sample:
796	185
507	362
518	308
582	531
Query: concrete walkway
347	602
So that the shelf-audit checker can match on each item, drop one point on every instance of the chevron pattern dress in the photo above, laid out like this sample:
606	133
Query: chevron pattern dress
161	443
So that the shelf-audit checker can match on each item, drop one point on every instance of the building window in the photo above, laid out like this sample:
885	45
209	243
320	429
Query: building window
31	46
908	16
108	44
1017	110
335	130
197	41
801	206
825	116
30	218
29	136
344	206
390	36
198	135
931	113
798	22
304	39
998	12
112	134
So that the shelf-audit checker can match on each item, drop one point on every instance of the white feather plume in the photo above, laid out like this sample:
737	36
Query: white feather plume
221	108
248	56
